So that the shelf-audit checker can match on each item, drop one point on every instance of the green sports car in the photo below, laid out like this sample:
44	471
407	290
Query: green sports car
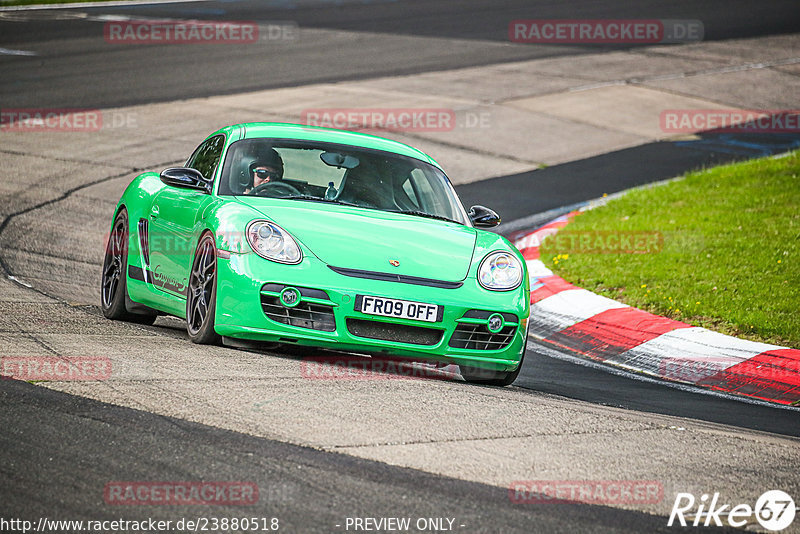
317	237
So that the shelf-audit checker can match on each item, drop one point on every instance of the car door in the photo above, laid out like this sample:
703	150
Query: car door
174	213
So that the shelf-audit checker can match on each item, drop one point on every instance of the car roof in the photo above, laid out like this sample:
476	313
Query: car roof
300	132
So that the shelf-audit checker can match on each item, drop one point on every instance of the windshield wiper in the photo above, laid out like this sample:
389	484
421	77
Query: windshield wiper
424	214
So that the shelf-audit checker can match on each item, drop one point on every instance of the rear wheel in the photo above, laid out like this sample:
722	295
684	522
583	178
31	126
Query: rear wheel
201	301
113	283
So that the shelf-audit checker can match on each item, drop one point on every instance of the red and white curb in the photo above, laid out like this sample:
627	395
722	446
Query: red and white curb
577	321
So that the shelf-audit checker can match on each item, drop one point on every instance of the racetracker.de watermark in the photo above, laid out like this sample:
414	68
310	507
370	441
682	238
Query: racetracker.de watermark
694	371
604	242
609	492
181	493
327	368
725	368
163	243
608	31
197	32
64	120
56	368
730	120
396	119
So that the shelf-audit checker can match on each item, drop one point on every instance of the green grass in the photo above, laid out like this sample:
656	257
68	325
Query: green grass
730	259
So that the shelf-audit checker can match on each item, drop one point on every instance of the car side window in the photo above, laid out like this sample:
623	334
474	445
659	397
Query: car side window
206	158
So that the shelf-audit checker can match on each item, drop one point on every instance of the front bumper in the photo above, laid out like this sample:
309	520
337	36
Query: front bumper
246	281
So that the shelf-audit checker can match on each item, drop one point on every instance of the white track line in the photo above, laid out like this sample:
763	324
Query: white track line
12	52
84	5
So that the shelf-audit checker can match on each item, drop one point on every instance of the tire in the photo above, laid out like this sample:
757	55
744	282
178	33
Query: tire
113	280
201	299
476	375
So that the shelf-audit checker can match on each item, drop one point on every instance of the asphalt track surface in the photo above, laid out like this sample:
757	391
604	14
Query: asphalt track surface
71	445
75	67
307	490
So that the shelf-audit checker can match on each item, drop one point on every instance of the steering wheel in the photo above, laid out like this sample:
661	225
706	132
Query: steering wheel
288	189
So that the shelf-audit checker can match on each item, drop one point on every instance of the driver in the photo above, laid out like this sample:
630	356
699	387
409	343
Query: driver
268	167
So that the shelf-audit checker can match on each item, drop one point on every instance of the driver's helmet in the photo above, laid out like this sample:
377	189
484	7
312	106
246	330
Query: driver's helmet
265	157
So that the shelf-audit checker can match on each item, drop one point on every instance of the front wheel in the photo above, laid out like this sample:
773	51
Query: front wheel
486	377
113	282
476	375
201	301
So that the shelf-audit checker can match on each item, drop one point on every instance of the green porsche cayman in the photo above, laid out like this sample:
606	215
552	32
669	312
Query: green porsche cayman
311	236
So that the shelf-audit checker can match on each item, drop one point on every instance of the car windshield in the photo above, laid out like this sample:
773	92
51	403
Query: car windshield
322	172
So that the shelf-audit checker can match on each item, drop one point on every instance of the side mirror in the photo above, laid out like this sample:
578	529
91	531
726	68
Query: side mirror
483	217
186	179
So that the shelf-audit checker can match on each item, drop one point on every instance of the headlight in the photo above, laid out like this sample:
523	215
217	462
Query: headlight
500	271
272	242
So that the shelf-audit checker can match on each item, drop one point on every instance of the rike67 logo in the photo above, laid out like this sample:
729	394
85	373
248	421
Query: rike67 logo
774	511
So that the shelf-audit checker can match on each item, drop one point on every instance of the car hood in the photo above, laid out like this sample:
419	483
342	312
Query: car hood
367	239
